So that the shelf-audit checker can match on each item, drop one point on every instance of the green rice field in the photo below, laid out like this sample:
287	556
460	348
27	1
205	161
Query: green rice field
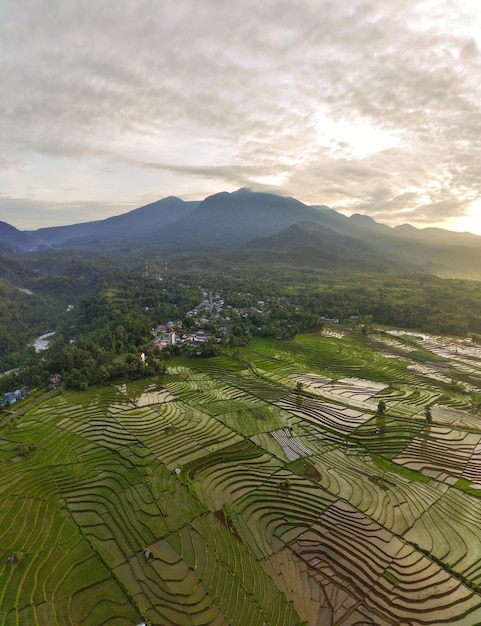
258	488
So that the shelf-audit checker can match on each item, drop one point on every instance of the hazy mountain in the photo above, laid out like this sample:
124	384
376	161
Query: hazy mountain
325	244
310	234
135	224
295	236
234	218
252	221
438	236
12	239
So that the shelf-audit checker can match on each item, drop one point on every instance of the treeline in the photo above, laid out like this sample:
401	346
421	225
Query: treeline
425	303
81	365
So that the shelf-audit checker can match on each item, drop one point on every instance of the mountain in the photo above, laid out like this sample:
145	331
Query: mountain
133	225
248	222
293	237
13	239
222	219
310	234
234	218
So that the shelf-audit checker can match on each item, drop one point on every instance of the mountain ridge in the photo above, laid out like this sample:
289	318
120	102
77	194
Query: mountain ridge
248	220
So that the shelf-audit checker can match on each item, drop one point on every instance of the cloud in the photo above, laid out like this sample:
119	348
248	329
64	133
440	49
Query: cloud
30	214
366	105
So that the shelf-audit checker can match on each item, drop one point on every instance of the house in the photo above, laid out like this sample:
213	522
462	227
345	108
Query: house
167	339
13	396
170	338
8	398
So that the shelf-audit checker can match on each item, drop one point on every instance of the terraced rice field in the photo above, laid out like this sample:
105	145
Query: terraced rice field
265	488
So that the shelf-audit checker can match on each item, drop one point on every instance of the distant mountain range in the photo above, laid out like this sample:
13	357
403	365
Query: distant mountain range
250	222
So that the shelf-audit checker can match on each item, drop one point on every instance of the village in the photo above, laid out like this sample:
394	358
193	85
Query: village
205	323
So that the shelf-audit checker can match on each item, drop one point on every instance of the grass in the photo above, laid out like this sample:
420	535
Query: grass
388	466
465	485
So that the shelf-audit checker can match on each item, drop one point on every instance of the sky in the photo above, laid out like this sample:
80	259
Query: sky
366	106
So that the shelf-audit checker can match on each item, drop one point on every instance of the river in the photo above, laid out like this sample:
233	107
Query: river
41	342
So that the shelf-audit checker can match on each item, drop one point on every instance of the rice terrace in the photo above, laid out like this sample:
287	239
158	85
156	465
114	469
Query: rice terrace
327	480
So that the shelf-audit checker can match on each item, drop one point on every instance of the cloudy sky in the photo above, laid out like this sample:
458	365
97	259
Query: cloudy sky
369	106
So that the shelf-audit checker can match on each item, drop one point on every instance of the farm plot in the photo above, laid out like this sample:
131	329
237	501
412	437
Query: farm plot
213	366
192	468
198	575
319	440
302	584
415	400
197	392
351	391
440	452
176	433
278	511
113	399
358	389
386	435
339	358
265	359
189	390
56	577
449	530
111	503
273	367
243	380
249	596
455	417
338	417
270	444
222	478
472	471
392	500
101	429
292	447
313	382
248	418
153	396
376	578
257	387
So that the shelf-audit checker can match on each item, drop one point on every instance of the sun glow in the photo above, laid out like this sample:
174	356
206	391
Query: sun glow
356	138
276	180
470	223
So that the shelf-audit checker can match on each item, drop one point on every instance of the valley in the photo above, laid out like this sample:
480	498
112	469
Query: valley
246	411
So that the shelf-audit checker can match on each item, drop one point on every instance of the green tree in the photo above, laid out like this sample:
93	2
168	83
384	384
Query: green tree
428	414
